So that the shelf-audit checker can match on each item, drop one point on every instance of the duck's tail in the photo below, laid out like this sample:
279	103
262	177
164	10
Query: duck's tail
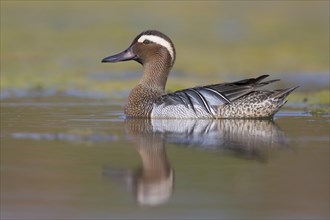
282	93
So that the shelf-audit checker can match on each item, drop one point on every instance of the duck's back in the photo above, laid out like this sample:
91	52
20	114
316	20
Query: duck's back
226	100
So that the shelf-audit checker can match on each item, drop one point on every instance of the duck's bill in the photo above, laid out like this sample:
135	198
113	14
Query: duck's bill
123	56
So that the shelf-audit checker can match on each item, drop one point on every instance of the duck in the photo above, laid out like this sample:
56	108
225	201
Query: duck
156	53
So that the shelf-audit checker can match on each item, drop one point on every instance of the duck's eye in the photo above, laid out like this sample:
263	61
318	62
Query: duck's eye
146	42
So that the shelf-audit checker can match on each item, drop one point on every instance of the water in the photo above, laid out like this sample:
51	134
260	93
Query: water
77	158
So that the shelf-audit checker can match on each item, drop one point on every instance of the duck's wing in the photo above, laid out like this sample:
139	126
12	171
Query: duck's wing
214	95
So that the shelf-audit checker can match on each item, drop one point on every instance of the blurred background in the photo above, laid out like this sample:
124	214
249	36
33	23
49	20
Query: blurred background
55	47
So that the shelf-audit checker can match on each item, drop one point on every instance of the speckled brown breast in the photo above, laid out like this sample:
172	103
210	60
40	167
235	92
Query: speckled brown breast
140	101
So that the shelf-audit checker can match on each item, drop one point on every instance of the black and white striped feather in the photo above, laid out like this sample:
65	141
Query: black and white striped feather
211	96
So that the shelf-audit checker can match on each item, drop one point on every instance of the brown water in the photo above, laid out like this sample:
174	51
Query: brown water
76	158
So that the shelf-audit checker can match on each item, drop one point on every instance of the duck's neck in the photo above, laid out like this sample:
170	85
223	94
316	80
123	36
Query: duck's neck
150	88
155	75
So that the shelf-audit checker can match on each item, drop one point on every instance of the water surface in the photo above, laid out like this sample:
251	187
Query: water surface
80	158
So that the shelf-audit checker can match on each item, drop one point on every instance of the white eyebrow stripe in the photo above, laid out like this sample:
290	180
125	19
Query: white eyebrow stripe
158	40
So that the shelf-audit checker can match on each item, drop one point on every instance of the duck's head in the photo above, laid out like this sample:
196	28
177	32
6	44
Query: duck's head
147	48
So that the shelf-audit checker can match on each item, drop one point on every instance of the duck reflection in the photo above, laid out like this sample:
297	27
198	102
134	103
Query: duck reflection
154	180
246	138
153	183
